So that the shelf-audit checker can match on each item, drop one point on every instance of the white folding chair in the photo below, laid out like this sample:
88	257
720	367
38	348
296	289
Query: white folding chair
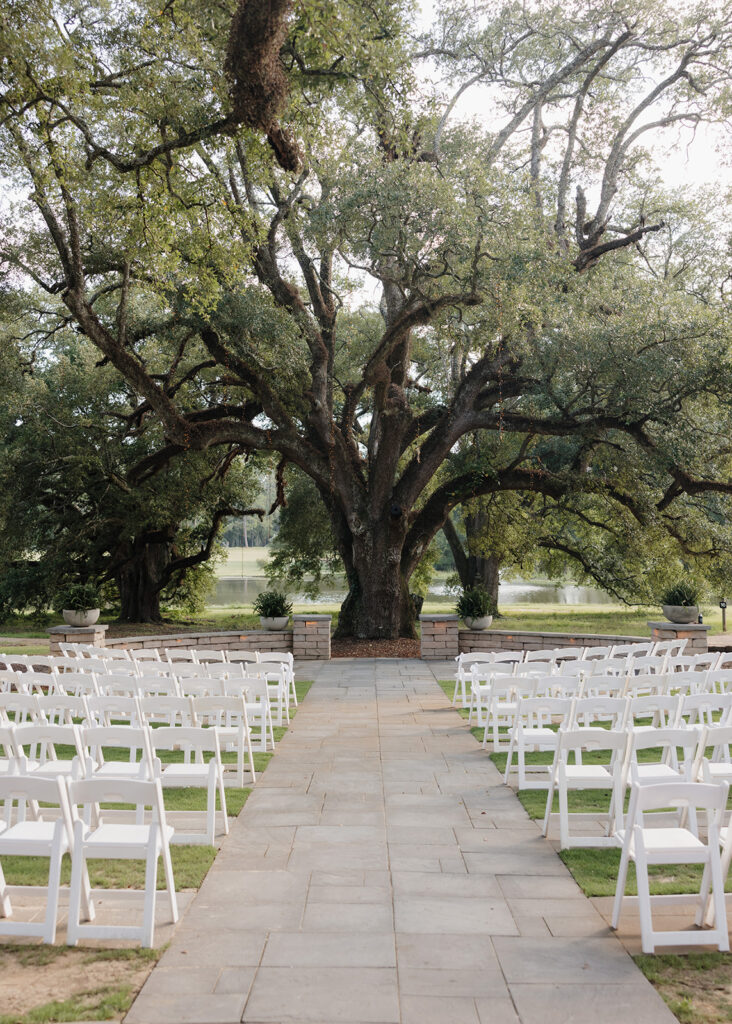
104	745
463	673
228	715
665	766
481	680
661	708
546	657
77	684
17	708
599	685
225	670
104	840
705	708
179	655
714	760
144	654
36	743
533	731
672	648
45	835
719	680
581	775
194	771
241	657
647	846
8	751
634	650
592	711
167	710
61	708
597	653
567	654
502	706
648	684
205	656
286	661
207	687
256	696
106	710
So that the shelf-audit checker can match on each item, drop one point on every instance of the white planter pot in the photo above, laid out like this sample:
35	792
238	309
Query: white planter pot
681	613
274	624
85	618
480	623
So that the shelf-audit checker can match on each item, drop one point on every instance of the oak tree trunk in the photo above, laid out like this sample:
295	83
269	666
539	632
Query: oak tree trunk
378	604
141	577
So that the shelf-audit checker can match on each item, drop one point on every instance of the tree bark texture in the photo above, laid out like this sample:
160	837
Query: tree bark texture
140	578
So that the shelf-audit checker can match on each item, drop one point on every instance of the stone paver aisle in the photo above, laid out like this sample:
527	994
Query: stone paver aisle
380	872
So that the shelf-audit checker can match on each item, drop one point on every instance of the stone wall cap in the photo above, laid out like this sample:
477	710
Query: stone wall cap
97	627
576	637
312	618
439	618
665	624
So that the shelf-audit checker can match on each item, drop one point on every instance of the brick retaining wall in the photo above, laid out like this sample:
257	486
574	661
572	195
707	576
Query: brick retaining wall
309	639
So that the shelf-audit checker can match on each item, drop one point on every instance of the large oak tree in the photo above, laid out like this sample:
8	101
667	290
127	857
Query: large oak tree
373	280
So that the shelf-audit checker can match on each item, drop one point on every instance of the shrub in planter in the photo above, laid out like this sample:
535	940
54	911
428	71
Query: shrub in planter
78	603
273	609
681	602
476	607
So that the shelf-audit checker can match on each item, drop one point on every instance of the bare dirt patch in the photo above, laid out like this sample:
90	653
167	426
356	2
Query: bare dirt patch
696	986
351	648
32	976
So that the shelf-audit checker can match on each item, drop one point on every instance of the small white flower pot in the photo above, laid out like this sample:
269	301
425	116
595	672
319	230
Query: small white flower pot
85	618
681	613
274	624
480	623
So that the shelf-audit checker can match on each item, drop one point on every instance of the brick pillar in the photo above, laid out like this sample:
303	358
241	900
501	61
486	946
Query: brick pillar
439	637
311	637
94	635
694	632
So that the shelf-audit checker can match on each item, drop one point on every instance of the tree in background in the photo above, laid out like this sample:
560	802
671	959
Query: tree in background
254	181
82	494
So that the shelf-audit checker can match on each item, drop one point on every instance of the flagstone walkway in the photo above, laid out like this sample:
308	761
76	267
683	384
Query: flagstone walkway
380	872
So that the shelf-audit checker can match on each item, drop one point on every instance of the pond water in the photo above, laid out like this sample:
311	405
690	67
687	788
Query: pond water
238	590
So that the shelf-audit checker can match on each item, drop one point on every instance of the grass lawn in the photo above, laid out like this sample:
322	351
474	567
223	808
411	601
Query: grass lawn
556	618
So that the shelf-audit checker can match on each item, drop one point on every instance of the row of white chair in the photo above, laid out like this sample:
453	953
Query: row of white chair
693	667
637	756
33	749
269	689
68	818
536	723
557	657
507	689
240	724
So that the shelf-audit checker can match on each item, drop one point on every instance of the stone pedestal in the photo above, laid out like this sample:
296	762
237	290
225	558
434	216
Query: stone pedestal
439	637
311	637
94	635
695	633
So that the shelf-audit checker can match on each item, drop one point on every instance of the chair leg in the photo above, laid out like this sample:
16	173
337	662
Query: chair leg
6	909
564	840
151	875
222	798
54	883
169	881
648	944
720	909
621	883
78	866
549	802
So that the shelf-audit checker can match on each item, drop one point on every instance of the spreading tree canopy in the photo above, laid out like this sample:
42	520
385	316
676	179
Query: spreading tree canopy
284	188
